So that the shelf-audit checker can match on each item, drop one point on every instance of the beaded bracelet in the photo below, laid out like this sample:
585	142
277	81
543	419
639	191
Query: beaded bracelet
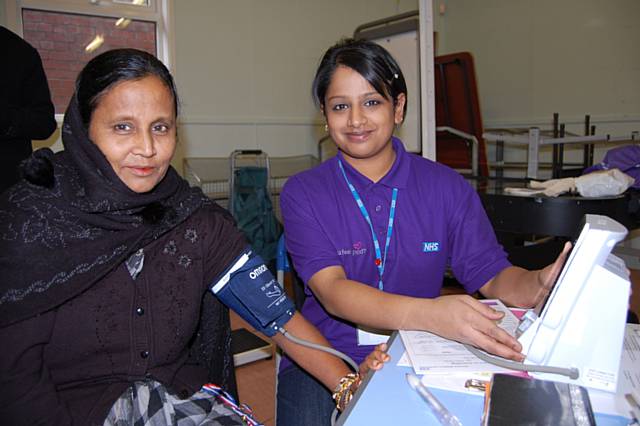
343	393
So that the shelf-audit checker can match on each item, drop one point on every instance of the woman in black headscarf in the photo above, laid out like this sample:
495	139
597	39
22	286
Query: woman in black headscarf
106	258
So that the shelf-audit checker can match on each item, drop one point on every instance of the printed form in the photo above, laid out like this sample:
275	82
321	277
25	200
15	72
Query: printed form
445	364
432	354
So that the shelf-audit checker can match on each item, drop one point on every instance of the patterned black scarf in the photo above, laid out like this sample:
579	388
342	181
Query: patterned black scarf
63	231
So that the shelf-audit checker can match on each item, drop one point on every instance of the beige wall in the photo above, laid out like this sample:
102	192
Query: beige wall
244	69
3	18
534	58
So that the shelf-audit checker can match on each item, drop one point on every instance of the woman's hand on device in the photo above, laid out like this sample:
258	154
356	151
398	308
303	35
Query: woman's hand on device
464	319
547	276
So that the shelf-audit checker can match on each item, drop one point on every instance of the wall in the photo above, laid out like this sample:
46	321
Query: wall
3	17
244	69
532	59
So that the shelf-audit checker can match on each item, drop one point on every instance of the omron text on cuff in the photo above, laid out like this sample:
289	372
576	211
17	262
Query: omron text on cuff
250	289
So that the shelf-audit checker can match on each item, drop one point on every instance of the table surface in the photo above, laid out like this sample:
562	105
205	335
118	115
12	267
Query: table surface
385	398
554	216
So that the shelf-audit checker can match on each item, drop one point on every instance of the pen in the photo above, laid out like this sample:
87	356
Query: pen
440	411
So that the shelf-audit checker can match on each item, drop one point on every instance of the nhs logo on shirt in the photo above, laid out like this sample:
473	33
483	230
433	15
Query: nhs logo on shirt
430	246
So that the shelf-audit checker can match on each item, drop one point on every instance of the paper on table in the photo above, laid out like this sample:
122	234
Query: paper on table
432	354
404	360
452	381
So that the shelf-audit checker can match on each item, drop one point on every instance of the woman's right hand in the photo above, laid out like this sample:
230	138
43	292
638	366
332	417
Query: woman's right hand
466	320
375	360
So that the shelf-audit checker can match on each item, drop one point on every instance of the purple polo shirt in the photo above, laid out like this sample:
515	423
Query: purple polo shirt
439	222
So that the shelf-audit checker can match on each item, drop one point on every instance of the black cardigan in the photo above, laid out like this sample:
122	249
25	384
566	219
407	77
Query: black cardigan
69	365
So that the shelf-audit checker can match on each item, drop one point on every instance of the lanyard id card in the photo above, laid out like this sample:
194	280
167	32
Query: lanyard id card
370	336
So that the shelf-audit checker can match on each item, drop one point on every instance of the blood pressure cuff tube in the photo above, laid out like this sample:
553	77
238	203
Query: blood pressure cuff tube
249	288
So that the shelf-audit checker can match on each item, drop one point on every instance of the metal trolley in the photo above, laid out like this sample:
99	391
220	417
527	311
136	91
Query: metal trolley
250	201
214	174
248	172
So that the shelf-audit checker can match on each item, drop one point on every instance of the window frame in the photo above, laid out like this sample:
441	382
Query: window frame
158	11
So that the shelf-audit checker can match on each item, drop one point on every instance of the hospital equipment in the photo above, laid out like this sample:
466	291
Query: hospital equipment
250	289
575	334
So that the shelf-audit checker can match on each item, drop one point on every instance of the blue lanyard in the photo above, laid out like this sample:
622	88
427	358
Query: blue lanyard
381	259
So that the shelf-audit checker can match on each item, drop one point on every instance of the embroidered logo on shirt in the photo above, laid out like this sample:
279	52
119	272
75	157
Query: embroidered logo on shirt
430	246
357	249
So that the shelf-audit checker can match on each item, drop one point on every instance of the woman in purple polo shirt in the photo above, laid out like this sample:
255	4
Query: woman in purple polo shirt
108	262
372	231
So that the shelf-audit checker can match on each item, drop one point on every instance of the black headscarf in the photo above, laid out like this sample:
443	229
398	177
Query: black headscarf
62	232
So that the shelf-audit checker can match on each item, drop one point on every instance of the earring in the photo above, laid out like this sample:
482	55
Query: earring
326	128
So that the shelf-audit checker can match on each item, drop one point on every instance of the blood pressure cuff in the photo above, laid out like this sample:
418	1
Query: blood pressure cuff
250	289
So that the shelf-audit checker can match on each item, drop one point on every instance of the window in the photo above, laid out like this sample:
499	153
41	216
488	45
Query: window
68	33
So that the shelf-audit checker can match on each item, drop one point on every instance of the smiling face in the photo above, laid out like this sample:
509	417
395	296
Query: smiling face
134	125
361	120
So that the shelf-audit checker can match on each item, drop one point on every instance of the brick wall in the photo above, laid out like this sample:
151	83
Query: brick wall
61	39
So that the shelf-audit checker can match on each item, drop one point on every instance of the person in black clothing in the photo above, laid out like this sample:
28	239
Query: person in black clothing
110	262
26	110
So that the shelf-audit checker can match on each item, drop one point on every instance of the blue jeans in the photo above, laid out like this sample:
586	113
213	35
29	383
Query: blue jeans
302	400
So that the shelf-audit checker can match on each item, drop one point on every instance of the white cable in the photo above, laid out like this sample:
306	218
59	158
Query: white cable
571	372
312	345
345	357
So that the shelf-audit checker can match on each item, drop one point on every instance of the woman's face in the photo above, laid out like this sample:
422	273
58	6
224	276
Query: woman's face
134	125
360	120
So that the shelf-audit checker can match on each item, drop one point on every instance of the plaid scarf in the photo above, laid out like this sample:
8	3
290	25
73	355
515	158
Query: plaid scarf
149	403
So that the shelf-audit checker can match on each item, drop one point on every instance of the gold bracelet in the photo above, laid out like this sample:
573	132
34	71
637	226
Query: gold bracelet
342	394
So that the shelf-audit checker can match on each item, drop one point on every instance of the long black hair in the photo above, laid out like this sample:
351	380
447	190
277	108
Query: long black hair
115	66
372	61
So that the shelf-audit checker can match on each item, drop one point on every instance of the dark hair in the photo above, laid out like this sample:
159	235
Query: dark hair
368	59
113	67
